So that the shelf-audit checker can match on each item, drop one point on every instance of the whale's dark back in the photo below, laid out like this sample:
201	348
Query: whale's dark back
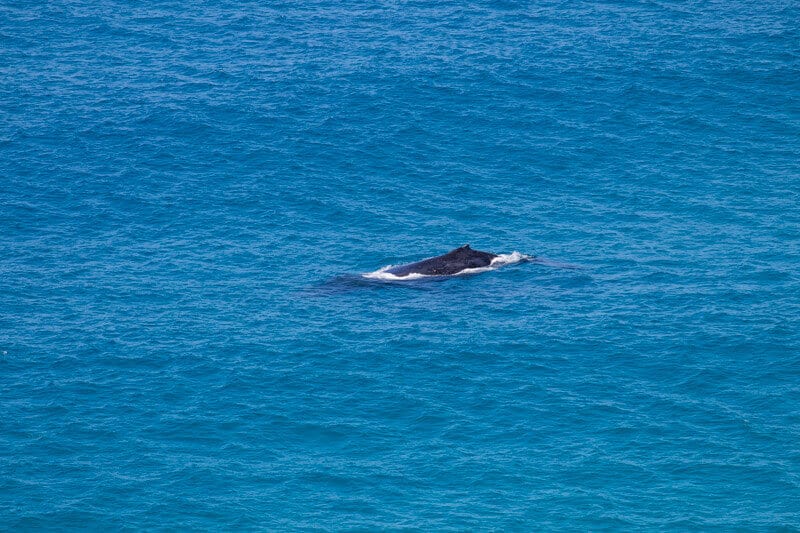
447	264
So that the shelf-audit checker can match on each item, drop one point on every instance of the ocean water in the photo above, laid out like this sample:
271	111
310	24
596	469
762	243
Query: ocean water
191	192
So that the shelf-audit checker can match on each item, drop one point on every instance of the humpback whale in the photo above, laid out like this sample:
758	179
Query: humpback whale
453	262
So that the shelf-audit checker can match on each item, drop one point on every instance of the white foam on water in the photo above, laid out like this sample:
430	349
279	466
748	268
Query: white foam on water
509	259
499	261
383	275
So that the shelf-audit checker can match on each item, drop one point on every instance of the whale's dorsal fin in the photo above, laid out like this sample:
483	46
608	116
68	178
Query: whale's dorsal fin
466	247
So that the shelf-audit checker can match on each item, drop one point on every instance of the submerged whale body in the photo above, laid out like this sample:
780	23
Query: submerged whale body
453	262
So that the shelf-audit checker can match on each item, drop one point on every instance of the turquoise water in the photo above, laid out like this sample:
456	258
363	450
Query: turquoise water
191	193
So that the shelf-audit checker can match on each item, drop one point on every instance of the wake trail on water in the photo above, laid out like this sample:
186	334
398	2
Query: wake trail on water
556	264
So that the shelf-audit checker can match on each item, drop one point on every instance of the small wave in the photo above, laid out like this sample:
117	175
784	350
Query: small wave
499	261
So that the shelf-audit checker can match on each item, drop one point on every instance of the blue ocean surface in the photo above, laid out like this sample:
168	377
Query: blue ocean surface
191	193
